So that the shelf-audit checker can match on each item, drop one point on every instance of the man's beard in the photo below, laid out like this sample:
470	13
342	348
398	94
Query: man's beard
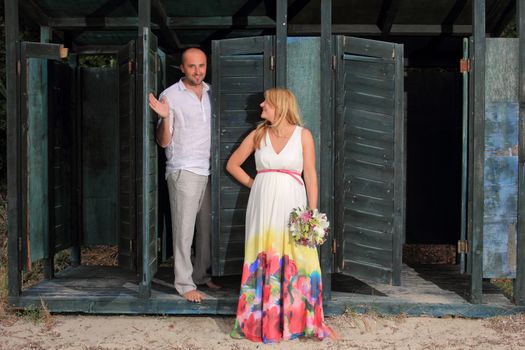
192	81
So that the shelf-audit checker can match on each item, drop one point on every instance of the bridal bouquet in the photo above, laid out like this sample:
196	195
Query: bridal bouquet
308	227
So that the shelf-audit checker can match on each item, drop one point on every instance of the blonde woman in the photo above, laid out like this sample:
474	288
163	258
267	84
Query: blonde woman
281	290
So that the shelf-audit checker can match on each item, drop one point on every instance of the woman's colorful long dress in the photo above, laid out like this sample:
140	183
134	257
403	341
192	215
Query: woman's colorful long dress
281	289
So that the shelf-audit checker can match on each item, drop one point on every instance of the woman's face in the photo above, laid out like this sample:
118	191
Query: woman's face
268	111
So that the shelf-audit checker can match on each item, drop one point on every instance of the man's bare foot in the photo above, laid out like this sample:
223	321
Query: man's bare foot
212	285
194	296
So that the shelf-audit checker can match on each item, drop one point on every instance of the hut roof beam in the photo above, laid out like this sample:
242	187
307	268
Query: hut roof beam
372	29
243	12
297	7
95	22
452	16
34	12
220	22
161	18
387	14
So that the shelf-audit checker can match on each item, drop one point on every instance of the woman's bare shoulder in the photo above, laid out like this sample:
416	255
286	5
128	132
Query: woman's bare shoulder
250	137
306	134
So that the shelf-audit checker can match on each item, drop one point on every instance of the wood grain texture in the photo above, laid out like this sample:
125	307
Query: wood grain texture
370	151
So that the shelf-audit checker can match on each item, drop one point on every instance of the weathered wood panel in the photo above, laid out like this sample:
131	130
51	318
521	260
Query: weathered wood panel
477	146
519	285
369	159
146	165
501	159
37	160
241	73
304	79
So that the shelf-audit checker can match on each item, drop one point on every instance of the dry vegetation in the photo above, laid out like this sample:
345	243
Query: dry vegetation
100	255
368	322
508	324
4	315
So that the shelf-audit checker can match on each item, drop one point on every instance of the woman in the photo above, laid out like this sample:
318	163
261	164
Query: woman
281	291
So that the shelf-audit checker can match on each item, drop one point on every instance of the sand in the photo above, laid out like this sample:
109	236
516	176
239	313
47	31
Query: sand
204	332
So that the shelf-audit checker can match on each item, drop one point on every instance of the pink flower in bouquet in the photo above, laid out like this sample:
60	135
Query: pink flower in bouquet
306	216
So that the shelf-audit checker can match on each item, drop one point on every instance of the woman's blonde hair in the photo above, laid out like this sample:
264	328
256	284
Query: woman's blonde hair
286	108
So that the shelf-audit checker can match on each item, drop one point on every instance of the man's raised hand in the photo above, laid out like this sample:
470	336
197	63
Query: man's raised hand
160	107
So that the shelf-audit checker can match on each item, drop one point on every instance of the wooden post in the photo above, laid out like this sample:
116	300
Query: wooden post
144	15
76	112
326	198
14	192
49	245
519	282
464	157
476	249
144	25
400	167
281	32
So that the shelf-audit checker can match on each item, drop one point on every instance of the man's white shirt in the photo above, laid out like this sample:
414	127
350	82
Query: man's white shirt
190	125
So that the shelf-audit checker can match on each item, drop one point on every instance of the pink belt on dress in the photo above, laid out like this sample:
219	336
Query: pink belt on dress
295	174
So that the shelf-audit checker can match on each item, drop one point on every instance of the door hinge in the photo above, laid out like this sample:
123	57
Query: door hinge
158	244
18	67
464	65
131	65
334	246
393	53
334	62
272	62
463	246
130	246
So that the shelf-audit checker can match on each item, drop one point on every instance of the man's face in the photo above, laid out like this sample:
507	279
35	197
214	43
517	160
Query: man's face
194	66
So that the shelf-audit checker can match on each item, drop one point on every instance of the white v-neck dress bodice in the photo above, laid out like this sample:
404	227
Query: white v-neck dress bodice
290	157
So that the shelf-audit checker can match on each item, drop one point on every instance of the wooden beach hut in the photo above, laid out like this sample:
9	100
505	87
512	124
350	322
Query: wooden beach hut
411	148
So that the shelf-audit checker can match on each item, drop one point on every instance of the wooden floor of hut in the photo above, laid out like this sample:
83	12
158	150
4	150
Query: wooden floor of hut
108	289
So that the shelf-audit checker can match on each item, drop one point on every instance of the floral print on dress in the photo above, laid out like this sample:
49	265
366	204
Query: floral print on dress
278	301
281	289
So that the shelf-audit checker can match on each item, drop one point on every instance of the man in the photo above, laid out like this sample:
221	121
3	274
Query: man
184	130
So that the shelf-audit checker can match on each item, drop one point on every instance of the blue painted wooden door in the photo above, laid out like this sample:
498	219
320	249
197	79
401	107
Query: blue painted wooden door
242	70
369	159
500	172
